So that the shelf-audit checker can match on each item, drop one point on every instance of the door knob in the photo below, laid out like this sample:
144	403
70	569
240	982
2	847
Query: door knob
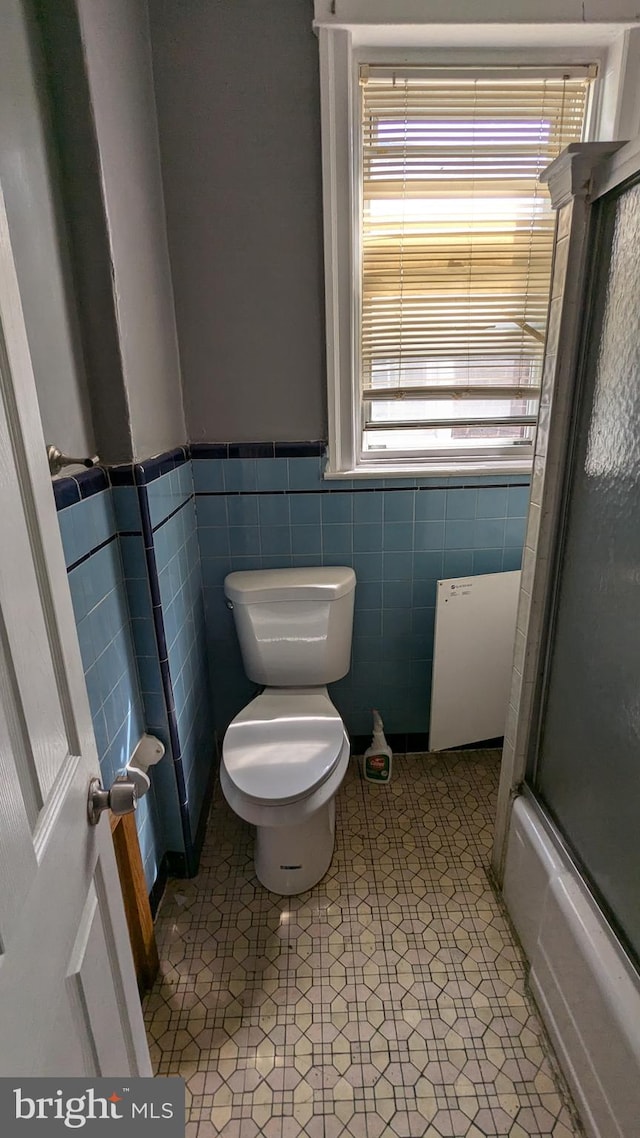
122	798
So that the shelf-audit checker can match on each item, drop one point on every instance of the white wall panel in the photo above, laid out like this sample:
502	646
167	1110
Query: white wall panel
472	658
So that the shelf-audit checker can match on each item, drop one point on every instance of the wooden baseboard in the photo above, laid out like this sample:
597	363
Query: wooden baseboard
136	901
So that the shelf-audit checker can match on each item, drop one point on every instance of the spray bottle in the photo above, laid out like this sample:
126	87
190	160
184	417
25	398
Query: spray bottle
377	759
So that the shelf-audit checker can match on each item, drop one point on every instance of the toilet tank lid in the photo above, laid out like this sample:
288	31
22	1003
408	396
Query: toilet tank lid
253	586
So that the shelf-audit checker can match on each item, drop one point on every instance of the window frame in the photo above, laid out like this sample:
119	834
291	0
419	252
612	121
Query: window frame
341	54
496	453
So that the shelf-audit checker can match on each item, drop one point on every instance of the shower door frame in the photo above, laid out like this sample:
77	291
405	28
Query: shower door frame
582	175
609	183
585	984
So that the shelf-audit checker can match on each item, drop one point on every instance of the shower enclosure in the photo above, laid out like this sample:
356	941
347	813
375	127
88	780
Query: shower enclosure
567	851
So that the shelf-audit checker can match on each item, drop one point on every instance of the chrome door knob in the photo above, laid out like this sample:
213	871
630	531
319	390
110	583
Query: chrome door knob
122	798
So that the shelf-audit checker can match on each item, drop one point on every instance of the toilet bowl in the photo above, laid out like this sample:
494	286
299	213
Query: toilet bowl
285	754
284	758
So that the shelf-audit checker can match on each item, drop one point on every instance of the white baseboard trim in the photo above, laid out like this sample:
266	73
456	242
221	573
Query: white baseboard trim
587	991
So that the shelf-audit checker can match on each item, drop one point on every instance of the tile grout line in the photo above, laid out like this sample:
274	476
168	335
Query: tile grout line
439	782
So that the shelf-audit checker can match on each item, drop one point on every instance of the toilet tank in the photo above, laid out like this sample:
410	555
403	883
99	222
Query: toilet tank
294	625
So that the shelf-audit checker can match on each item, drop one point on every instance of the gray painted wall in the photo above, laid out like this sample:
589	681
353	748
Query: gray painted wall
237	96
74	136
115	38
29	179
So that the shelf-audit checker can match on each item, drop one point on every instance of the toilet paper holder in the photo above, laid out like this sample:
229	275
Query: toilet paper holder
148	752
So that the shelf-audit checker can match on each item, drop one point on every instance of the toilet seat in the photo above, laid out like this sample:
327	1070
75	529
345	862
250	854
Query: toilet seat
283	745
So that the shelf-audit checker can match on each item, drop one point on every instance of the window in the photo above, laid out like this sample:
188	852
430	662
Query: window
439	235
456	242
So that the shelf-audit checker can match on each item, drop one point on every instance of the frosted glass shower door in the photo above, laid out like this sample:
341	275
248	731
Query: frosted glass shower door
587	770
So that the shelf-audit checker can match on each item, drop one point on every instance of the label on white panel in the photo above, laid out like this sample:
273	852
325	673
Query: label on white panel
458	589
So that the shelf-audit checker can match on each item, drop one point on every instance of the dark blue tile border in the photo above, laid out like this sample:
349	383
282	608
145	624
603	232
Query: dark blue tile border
142	473
77	487
152	468
314	449
122	475
329	489
209	450
96	549
201	829
176	864
66	492
190	855
250	450
173	513
92	481
417	743
400	743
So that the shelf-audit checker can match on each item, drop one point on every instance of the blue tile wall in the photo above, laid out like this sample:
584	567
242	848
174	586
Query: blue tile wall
167	493
134	568
179	574
155	712
262	506
168	631
99	599
400	536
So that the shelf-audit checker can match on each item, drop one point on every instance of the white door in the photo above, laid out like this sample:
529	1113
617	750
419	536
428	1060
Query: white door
68	998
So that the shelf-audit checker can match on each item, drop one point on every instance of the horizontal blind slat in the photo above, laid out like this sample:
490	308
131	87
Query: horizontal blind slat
444	391
426	424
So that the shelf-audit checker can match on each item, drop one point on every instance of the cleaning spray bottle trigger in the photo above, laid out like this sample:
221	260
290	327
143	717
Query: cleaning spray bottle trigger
377	759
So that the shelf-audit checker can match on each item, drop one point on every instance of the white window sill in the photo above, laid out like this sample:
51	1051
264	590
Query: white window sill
439	470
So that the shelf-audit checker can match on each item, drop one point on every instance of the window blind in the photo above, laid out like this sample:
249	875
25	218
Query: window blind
456	249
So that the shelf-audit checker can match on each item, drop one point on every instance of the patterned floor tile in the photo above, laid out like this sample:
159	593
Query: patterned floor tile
389	1000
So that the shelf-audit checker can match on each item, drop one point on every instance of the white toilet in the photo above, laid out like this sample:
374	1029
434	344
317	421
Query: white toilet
286	753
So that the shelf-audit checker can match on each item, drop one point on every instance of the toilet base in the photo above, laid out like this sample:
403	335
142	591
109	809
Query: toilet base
292	859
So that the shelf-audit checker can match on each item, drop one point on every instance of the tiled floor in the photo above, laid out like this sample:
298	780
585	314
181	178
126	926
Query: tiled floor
389	1000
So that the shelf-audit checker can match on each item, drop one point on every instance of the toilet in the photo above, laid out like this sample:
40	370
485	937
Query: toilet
286	753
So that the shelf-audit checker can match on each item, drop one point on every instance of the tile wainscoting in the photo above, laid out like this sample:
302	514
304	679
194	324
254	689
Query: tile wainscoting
99	596
138	579
148	547
267	505
161	557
